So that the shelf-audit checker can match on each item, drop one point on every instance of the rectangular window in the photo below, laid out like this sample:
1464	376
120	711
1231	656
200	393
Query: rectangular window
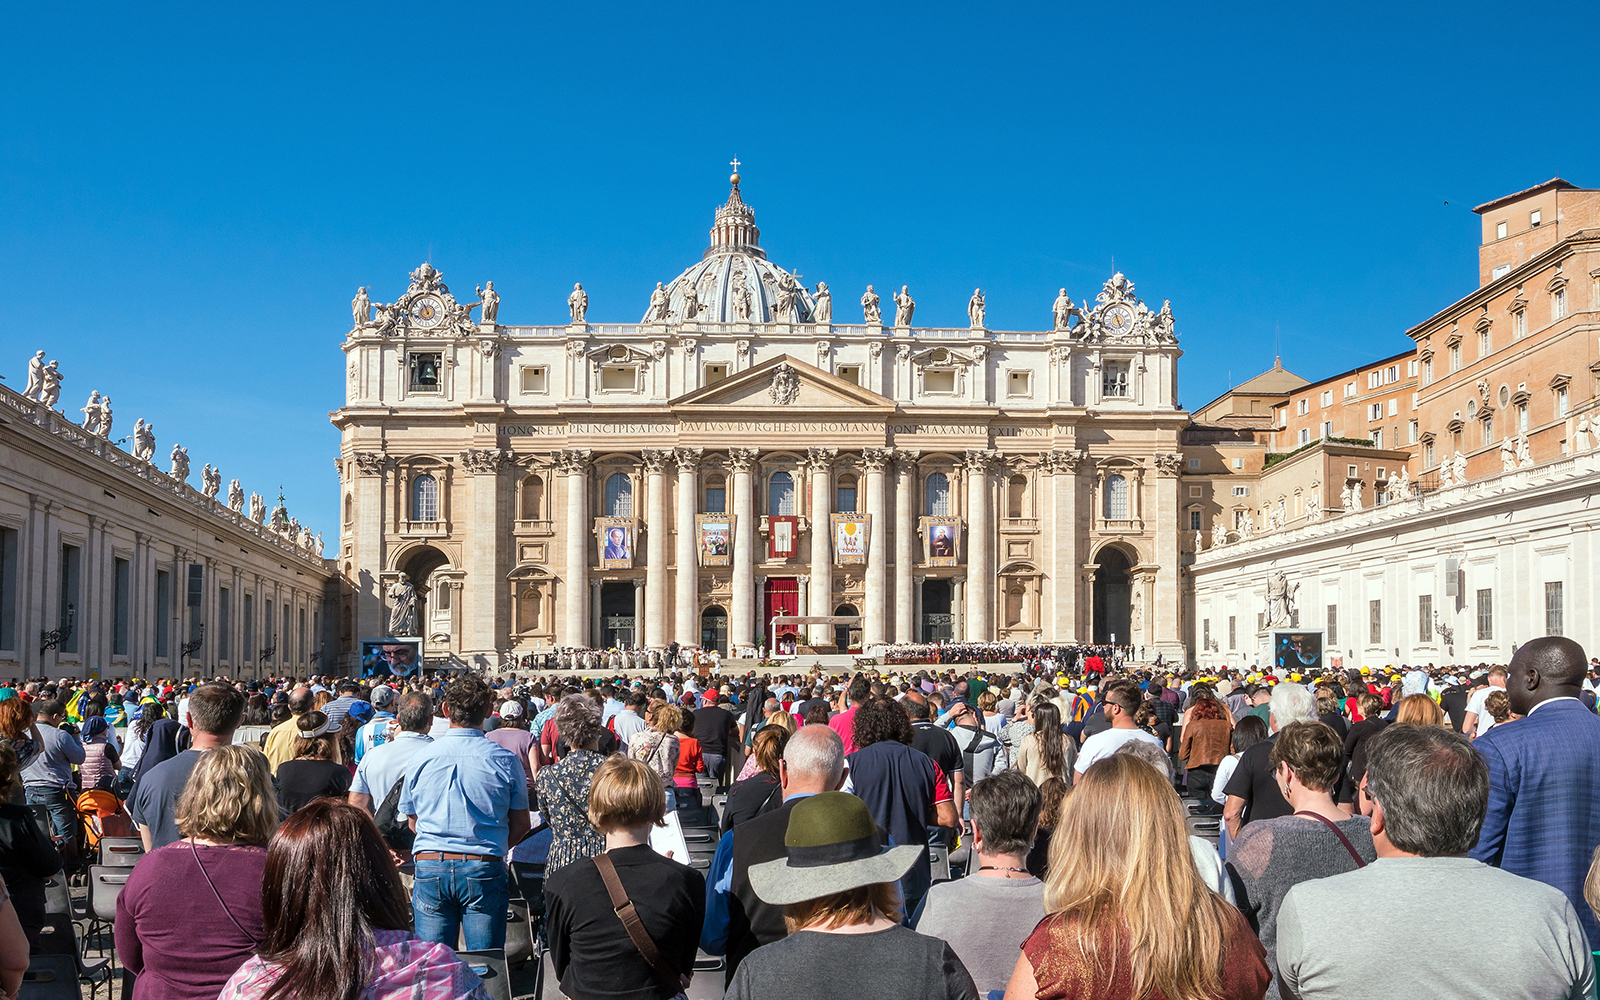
1377	438
1535	217
1194	520
269	638
1305	435
1411	369
1519	324
1195	491
939	382
1427	371
1375	622
1424	618
1488	431
119	606
425	369
1561	401
248	653
1194	463
1349	389
163	613
1241	491
1327	397
1391	374
1019	384
1501	271
1333	624
1394	407
716	500
286	637
850	373
1485	615
846	500
71	565
716	373
1558	304
301	631
1238	463
1499	230
1375	411
1553	608
1233	633
1455	357
8	589
1411	432
1522	418
1351	471
1303	407
224	620
195	594
1374	379
1427	454
1205	633
619	378
536	380
1483	343
1327	429
1114	379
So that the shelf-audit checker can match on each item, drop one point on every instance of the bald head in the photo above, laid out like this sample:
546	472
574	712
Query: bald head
813	761
1552	666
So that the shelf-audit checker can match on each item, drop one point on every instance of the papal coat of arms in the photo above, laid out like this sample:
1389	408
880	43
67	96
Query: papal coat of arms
785	387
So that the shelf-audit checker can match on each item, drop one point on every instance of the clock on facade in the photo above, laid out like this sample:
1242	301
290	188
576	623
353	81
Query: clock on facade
1118	319
427	312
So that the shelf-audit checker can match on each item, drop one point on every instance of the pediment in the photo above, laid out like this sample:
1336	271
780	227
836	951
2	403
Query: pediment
784	383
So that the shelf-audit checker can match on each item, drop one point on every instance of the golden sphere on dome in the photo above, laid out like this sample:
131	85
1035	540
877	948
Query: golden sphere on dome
734	180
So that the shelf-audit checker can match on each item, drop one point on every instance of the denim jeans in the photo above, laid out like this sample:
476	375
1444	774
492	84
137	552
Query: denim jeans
461	897
714	762
62	816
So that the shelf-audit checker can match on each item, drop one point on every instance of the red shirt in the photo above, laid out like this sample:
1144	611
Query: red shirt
845	725
690	762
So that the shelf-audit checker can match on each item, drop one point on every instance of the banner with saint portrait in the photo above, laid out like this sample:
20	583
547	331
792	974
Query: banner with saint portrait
941	541
616	536
851	535
783	537
714	539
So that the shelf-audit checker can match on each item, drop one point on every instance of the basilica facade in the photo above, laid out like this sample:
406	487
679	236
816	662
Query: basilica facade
738	455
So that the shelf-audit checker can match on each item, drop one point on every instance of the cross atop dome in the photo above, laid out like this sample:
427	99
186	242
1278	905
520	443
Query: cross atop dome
734	163
735	227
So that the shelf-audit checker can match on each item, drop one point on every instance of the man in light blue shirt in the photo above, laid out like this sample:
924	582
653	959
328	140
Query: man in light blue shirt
467	799
389	761
376	732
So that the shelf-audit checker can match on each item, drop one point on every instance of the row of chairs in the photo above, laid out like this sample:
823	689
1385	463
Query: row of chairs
59	969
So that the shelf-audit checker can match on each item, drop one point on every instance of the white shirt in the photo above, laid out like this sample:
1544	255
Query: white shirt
1105	743
1485	720
1219	784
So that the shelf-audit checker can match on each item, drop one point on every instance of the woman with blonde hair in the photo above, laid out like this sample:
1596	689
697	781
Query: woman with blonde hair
657	746
1129	915
752	766
1419	710
186	944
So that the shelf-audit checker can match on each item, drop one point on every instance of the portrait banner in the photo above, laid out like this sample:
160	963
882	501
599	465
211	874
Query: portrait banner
714	539
941	541
615	537
783	537
851	535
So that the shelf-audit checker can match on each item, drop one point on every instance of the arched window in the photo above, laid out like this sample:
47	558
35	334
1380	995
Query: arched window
1017	497
349	508
780	494
1116	498
619	495
938	495
716	495
528	607
424	498
441	601
845	495
532	499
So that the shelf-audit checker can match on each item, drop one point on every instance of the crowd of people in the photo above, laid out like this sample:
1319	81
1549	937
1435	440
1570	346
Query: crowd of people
368	829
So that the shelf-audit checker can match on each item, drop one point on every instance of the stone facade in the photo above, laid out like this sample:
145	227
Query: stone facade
683	479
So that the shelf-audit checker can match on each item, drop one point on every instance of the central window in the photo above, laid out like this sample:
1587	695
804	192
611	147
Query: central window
619	495
938	495
425	366
1114	379
1116	498
424	498
780	494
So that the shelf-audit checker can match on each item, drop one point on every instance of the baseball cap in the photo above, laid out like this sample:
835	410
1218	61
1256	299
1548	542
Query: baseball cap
382	696
511	710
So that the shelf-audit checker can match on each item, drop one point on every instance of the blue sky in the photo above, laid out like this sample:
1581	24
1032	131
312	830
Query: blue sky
189	196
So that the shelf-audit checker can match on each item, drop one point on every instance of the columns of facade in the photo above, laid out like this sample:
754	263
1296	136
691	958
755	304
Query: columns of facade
958	609
486	595
907	593
640	596
371	522
653	627
574	465
1164	599
979	570
596	623
819	600
876	629
1063	468
742	616
686	630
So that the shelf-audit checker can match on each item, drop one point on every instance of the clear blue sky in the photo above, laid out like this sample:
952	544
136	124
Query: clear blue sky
189	197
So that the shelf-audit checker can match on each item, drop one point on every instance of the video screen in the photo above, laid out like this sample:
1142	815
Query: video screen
1297	652
390	657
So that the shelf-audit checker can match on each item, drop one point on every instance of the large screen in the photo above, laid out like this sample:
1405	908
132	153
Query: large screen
1297	652
390	657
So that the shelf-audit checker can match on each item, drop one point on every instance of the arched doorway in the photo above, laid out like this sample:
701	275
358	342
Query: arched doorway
433	595
845	634
714	629
1113	590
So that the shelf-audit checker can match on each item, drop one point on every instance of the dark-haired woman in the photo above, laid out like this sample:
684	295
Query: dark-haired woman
315	770
338	925
1046	752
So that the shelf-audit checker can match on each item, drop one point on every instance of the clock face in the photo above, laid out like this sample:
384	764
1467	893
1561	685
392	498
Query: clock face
427	312
1118	319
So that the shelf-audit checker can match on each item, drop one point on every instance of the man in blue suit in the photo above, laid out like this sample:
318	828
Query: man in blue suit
1544	775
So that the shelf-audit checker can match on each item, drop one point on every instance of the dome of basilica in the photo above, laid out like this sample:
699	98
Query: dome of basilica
733	282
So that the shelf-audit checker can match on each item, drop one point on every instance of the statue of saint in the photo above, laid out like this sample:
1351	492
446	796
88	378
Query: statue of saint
1508	455
1524	454
1247	526
904	306
741	299
577	303
822	302
1460	462
361	308
144	441
659	305
258	508
1219	534
975	309
105	417
35	376
50	385
206	488
318	545
491	302
1063	310
91	412
235	496
1584	439
179	468
1280	599
870	309
691	303
1162	324
402	607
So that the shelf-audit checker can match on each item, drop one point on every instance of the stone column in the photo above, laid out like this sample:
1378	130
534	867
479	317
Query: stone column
640	595
574	465
654	626
1064	570
1164	599
742	616
371	524
876	629
979	570
686	598
481	618
819	462
907	593
958	609
596	615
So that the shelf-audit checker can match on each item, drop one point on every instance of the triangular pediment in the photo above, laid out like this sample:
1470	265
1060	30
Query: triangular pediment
766	387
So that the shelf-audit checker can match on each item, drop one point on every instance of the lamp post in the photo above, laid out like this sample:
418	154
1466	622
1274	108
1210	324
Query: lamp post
189	648
53	640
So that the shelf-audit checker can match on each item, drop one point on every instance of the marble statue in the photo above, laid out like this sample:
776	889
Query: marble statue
1460	462
788	299
402	607
691	303
1247	526
144	441
1584	439
386	316
904	306
1446	475
1162	324
179	469
318	545
1136	611
35	376
491	302
659	305
105	417
1524	452
361	308
1063	310
577	303
258	508
1314	507
822	304
50	384
1508	455
210	482
871	312
975	309
1344	497
1280	599
1219	534
1199	540
235	496
91	412
739	293
1405	482
1355	497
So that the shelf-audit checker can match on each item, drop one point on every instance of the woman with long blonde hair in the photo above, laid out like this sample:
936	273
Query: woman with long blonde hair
1129	915
1419	710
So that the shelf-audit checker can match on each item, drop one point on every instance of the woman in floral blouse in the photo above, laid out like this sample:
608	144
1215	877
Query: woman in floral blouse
563	787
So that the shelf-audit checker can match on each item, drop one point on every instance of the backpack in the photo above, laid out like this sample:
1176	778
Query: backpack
397	833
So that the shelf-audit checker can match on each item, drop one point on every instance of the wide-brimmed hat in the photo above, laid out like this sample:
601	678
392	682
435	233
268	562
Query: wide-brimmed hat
833	847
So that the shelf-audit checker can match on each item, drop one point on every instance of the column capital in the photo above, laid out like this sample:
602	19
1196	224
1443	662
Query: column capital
980	461
688	459
742	459
655	461
572	461
820	459
483	461
876	459
1170	464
